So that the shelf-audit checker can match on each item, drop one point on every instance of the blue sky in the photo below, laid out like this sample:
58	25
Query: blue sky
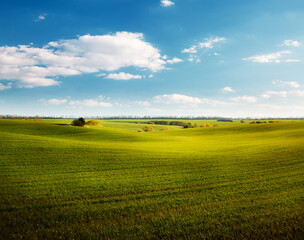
160	58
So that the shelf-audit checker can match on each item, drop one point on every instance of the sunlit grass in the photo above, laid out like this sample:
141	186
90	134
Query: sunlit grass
233	181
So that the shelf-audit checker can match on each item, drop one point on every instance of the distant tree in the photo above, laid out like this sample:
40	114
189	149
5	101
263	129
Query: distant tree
242	121
37	118
80	122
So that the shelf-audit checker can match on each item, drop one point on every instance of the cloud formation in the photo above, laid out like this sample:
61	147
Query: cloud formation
41	17
77	103
209	43
4	87
284	94
174	60
283	84
291	43
267	58
166	3
186	100
249	99
31	66
227	90
123	76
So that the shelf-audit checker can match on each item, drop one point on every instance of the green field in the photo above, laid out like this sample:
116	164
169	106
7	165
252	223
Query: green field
234	181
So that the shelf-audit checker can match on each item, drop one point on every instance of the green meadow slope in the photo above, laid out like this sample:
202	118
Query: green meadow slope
234	181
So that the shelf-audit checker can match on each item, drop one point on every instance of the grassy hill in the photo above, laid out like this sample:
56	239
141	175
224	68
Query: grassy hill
234	181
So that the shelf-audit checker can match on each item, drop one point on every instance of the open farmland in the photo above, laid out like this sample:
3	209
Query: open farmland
233	181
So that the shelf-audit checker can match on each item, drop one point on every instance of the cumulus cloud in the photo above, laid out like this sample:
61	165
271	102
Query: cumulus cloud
123	76
227	90
41	17
267	58
142	103
98	102
166	3
56	101
293	60
291	43
284	94
249	99
31	66
269	94
90	103
175	99
174	60
209	43
283	84
4	87
186	100
192	49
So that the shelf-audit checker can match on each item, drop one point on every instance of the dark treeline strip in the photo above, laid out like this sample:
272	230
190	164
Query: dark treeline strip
222	119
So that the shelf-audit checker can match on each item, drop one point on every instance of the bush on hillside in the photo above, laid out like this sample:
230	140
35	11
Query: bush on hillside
148	129
80	122
93	123
225	120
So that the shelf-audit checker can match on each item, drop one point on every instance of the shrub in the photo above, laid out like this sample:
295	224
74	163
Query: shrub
80	122
242	121
93	123
215	125
203	125
225	120
253	122
148	129
160	122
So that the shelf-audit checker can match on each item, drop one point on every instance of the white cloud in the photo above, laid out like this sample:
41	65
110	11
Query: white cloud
291	43
4	87
123	76
176	99
293	60
142	103
249	99
192	49
151	76
89	103
267	58
56	101
187	100
166	3
41	17
269	94
209	43
31	66
227	90
283	84
101	75
284	94
174	60
98	102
